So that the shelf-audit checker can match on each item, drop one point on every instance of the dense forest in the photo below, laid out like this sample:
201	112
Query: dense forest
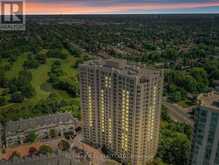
39	66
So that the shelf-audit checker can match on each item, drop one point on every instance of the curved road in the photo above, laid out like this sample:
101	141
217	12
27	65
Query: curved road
178	114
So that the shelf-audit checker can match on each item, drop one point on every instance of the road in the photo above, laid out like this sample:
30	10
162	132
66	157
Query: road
178	114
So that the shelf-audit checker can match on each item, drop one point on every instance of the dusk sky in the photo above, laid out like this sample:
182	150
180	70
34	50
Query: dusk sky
121	6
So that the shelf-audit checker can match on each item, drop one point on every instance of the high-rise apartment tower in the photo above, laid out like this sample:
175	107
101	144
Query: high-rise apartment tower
205	143
121	105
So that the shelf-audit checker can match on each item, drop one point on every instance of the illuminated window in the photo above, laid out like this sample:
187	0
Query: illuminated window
125	116
102	111
108	82
90	113
110	131
151	115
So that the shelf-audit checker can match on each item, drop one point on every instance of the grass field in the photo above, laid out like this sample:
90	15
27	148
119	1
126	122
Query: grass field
1	90
3	62
67	66
40	80
40	76
16	67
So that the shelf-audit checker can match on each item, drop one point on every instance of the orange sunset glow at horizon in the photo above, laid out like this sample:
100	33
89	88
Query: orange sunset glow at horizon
71	8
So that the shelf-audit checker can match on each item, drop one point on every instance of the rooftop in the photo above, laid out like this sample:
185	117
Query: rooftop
210	100
33	123
124	67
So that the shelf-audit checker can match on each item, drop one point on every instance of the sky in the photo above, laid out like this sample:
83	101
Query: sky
121	6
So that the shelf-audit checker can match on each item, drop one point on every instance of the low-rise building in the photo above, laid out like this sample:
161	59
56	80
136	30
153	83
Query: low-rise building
44	127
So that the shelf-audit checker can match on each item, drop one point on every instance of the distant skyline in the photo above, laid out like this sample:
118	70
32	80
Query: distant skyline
121	6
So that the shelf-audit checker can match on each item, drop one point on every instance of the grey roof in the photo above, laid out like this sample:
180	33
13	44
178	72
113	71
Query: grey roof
33	123
123	67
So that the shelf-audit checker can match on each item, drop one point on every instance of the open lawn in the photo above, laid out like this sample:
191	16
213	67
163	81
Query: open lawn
67	66
42	88
3	63
40	76
1	90
16	67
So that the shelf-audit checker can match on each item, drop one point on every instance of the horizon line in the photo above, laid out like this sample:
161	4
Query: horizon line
158	13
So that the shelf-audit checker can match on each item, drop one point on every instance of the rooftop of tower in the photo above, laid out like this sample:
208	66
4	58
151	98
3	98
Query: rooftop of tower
209	100
124	67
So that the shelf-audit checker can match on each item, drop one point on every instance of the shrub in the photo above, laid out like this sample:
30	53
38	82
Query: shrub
64	145
45	149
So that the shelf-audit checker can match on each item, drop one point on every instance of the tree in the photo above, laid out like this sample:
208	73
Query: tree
56	71
149	46
57	53
17	97
175	96
31	137
164	114
21	87
157	162
77	62
174	147
200	75
2	100
52	133
51	105
3	80
42	57
71	86
64	145
31	62
73	49
175	93
189	83
45	149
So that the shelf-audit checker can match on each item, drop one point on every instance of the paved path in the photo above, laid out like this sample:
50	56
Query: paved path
97	157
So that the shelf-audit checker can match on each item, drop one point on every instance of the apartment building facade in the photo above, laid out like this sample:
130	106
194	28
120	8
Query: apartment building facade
121	105
205	142
61	124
